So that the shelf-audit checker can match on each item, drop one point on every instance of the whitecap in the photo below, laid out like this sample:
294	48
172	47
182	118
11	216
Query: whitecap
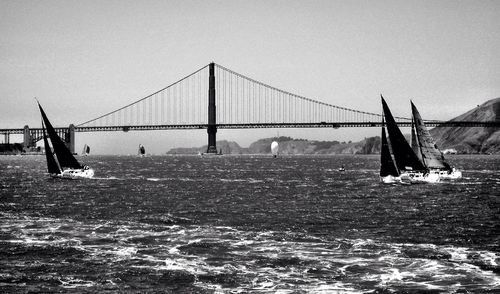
126	251
174	250
71	283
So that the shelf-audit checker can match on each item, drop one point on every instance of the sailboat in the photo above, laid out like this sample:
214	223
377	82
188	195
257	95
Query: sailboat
142	151
409	166
428	151
86	150
388	172
64	164
274	148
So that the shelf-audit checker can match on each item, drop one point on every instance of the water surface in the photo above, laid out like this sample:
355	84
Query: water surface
238	224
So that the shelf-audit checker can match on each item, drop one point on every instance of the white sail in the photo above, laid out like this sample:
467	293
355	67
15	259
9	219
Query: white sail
274	148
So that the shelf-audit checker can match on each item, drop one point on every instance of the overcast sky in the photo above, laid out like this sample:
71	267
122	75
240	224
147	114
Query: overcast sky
85	58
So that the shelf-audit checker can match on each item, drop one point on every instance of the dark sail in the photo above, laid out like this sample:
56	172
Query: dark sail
52	166
405	158
64	156
387	167
431	155
86	149
414	142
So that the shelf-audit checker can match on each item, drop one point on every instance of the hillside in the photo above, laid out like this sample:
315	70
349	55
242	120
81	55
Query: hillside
11	149
226	147
288	145
472	139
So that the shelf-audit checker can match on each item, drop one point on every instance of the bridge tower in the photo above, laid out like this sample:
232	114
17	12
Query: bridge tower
70	138
212	126
27	138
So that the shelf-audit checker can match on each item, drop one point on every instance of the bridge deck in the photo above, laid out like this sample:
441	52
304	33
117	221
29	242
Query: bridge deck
494	124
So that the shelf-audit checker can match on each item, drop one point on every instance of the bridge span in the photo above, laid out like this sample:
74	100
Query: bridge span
214	97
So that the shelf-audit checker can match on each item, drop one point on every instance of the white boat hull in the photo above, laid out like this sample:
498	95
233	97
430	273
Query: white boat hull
419	177
390	179
72	173
448	175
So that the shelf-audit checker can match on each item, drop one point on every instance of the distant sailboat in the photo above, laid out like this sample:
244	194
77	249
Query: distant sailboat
64	164
430	154
86	150
409	166
142	151
274	149
388	171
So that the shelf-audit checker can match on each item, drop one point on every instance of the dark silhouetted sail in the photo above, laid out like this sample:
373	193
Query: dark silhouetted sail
387	167
405	158
431	155
52	166
86	150
141	150
64	156
414	142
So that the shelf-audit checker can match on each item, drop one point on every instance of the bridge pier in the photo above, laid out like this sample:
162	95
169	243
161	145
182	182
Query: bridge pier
212	126
27	138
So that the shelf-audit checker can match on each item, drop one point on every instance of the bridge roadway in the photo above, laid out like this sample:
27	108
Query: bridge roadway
335	125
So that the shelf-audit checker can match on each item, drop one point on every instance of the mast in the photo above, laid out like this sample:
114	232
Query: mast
414	141
52	166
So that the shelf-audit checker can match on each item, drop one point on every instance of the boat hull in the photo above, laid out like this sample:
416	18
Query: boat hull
390	179
419	177
454	174
72	173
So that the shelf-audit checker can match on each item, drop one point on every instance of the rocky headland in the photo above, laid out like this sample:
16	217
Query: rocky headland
472	140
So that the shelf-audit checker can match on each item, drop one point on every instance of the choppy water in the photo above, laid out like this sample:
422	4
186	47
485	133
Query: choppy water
236	224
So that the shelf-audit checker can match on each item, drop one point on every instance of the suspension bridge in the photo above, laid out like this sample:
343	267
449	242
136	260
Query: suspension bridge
215	97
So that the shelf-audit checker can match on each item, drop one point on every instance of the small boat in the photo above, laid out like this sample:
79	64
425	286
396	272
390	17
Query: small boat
274	149
410	167
389	174
86	150
142	151
63	164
